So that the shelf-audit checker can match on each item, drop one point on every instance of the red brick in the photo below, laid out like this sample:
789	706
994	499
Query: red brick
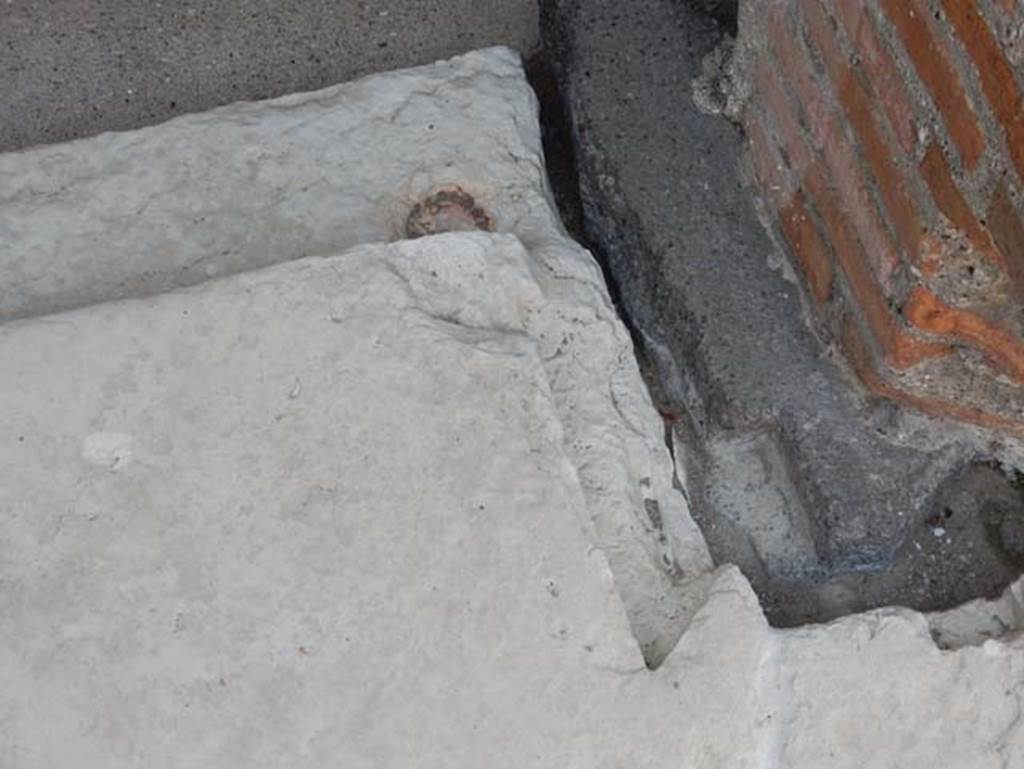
1007	231
810	248
997	77
901	349
891	181
947	196
826	127
774	177
1003	349
933	66
859	355
880	70
799	231
893	185
777	105
797	74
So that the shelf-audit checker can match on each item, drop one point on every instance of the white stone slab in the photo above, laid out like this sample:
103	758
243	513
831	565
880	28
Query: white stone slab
248	185
323	514
360	511
134	213
301	516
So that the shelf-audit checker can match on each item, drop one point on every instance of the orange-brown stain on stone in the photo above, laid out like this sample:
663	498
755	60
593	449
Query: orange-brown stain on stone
449	209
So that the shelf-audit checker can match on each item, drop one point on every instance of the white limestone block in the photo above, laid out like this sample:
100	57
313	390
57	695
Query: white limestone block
317	514
244	186
248	185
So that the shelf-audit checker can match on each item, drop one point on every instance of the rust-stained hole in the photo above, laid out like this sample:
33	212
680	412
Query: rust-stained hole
450	209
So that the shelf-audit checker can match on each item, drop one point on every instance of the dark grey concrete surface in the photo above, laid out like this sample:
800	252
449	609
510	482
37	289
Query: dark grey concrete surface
819	493
74	68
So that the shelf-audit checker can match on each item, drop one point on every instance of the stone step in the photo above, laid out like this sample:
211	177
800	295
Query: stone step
324	509
135	213
451	145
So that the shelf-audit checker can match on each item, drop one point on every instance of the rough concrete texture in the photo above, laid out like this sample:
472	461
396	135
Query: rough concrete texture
376	509
793	474
73	69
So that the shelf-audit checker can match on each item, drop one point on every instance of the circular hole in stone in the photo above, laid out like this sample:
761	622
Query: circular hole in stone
449	209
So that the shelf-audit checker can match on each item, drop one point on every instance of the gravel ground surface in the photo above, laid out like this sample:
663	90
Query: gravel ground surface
73	68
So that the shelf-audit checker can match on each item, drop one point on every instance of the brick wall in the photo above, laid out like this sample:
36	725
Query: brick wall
887	139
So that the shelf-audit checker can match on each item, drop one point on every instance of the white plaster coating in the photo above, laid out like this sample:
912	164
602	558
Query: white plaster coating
378	509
